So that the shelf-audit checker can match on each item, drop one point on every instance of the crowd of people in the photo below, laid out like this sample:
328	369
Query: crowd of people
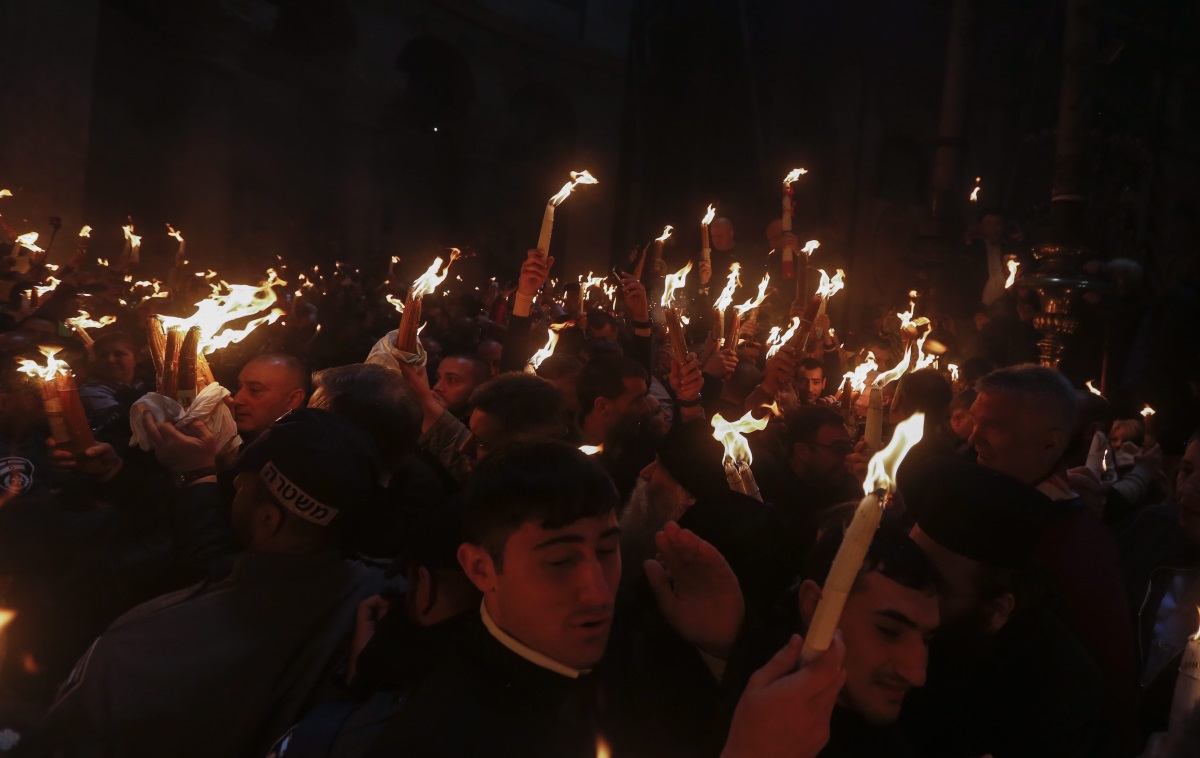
458	552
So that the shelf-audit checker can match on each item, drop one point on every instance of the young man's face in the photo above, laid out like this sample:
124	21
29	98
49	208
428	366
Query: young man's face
556	588
811	384
886	627
456	380
267	391
630	409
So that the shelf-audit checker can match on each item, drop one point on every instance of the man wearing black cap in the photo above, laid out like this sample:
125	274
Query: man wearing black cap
1005	677
223	668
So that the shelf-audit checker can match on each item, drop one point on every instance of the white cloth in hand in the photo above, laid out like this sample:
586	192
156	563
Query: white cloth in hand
384	353
209	407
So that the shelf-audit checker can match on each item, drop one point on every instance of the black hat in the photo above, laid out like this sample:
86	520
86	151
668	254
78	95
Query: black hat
314	463
974	511
694	459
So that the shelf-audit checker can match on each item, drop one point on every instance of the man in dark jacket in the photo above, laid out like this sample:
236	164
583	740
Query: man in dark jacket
223	668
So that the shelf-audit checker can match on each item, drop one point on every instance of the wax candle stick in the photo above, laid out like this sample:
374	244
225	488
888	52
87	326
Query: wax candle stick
577	177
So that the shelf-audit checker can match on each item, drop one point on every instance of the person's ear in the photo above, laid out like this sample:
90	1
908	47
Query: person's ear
478	566
295	399
807	598
601	406
423	592
999	611
268	520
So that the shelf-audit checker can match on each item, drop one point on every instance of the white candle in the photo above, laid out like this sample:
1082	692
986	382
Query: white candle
543	245
874	431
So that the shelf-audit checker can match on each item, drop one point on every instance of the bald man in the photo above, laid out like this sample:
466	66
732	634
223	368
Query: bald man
269	386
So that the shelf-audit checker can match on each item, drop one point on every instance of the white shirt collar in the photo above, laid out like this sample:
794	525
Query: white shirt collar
526	652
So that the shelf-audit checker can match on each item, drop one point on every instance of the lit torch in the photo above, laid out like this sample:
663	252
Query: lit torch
671	283
874	429
737	457
735	324
60	400
131	253
705	242
28	242
406	337
724	300
853	384
789	270
535	360
83	322
577	177
881	478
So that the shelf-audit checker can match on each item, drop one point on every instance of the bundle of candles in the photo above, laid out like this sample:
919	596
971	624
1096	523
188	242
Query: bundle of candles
674	319
737	458
410	312
60	400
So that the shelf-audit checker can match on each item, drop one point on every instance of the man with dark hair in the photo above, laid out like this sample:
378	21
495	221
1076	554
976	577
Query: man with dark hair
614	406
223	668
886	625
268	387
1005	676
564	370
457	377
810	384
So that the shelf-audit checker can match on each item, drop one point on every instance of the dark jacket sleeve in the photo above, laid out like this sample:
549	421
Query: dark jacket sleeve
203	536
516	343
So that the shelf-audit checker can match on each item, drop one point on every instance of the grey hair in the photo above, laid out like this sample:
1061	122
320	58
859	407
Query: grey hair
1035	384
376	399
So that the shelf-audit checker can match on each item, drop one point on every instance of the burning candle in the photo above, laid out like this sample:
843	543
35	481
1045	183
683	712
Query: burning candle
133	245
410	319
28	242
788	208
829	287
737	458
577	177
1092	388
874	430
705	242
953	373
60	400
724	300
671	284
1147	412
1013	266
734	327
975	192
881	477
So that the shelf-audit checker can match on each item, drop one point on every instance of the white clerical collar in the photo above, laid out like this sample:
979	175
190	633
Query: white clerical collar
526	652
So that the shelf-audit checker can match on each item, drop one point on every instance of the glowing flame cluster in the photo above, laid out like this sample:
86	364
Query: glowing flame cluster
810	247
1013	266
673	282
709	215
666	235
45	289
86	231
881	471
731	434
545	352
29	241
84	321
858	377
53	368
172	232
1092	388
793	175
725	299
756	301
830	287
135	241
953	372
887	377
229	303
1147	412
428	282
591	449
577	178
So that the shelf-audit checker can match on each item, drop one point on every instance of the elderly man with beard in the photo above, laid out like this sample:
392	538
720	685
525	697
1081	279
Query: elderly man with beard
1005	677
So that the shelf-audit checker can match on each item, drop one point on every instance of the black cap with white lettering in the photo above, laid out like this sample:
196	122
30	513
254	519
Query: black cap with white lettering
315	463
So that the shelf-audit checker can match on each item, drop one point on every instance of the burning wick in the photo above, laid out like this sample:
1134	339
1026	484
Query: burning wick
577	177
975	192
881	476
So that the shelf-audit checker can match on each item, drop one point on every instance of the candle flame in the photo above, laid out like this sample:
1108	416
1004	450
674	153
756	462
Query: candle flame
5	193
726	298
753	303
171	232
891	375
953	372
396	302
1147	412
666	235
731	434
86	231
830	287
591	449
810	247
28	240
102	262
545	352
774	409
228	303
602	748
1092	388
429	281
781	339
673	282
793	175
709	216
577	177
881	471
858	377
135	241
1013	265
51	370
84	321
45	289
6	615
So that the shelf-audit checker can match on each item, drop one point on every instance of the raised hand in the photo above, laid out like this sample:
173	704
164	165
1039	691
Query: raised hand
100	461
191	449
784	712
534	273
637	304
696	590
